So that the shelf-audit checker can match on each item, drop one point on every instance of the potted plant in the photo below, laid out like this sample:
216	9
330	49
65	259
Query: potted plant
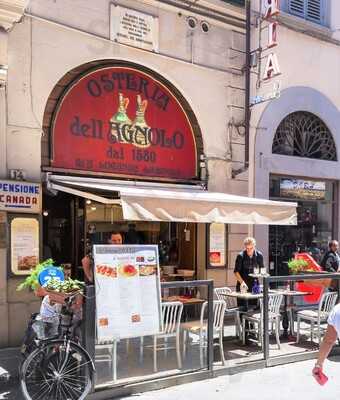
297	266
32	282
301	266
58	290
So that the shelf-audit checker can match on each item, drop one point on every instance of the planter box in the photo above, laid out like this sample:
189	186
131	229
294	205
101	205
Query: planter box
317	282
60	297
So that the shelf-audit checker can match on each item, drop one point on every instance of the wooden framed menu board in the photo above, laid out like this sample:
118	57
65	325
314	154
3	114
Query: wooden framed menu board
128	297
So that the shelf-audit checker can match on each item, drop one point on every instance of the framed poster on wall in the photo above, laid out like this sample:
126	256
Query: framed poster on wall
128	297
24	239
217	245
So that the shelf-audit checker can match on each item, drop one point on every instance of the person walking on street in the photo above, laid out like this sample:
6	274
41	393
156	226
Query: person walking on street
332	334
331	260
315	252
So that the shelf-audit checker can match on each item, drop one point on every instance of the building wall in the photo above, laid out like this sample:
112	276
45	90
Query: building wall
309	82
56	36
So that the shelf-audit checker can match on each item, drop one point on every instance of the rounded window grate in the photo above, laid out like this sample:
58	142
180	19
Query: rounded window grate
303	134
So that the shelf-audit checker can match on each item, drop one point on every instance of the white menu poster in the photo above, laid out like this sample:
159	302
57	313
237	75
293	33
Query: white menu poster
128	297
24	245
217	248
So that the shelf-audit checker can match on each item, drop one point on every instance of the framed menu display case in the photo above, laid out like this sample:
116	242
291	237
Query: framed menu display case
24	243
216	245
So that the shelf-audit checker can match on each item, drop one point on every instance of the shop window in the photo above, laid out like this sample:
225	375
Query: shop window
315	228
303	134
176	241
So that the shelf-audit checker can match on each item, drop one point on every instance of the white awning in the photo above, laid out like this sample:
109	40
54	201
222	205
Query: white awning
156	202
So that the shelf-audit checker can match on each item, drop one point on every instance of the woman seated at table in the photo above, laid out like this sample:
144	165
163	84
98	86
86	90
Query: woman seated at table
245	263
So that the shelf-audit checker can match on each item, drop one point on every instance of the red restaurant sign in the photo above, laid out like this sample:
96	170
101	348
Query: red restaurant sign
120	120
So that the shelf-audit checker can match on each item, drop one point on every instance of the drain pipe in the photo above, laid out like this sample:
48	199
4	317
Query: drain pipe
247	71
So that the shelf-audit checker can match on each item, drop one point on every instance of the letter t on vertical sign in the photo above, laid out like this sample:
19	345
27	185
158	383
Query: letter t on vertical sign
272	34
270	8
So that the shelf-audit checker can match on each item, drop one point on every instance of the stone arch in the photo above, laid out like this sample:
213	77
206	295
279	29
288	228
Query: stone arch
294	99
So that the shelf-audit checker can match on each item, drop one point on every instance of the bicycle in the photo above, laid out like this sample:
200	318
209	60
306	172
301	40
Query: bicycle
59	368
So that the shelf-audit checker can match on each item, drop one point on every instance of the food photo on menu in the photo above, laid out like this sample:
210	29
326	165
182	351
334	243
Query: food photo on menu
106	270
128	271
147	270
215	257
25	263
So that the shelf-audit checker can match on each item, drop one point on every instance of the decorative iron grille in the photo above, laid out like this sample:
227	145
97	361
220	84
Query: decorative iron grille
303	134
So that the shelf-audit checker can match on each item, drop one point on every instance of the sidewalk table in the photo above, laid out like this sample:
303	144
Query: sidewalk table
247	296
288	295
194	302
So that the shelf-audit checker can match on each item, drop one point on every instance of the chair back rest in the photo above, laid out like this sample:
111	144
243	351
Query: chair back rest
274	303
219	307
221	294
327	302
171	314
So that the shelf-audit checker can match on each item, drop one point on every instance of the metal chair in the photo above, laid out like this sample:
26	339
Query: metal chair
319	316
171	314
201	329
274	317
231	307
111	347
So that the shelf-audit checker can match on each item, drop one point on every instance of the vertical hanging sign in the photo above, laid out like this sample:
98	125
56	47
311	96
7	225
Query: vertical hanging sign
271	9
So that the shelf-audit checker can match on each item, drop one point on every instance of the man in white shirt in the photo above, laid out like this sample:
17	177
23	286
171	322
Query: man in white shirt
332	333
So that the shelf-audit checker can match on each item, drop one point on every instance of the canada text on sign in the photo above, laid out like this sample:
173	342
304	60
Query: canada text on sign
20	196
122	121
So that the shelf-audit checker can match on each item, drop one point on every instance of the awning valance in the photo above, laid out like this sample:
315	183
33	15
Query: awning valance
178	204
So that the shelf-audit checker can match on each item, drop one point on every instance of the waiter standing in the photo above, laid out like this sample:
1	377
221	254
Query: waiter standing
245	263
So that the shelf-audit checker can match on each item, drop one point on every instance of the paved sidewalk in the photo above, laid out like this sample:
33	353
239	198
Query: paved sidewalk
287	382
9	363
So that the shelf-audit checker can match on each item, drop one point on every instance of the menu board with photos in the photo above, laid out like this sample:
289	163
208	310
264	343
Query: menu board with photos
217	245
128	297
24	245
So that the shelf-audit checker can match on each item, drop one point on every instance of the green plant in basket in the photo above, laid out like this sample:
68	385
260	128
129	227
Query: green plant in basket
32	282
67	286
297	265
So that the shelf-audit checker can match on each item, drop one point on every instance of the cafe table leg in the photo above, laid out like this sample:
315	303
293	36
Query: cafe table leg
285	320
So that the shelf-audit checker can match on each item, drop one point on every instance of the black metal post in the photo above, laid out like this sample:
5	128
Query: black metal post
210	355
89	325
265	319
247	71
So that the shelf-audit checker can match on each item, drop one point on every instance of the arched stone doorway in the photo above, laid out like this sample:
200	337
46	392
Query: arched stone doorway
297	141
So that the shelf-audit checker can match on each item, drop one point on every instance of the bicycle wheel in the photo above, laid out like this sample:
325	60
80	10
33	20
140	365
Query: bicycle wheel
60	370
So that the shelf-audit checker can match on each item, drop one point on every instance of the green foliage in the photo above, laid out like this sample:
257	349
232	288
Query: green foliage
67	286
298	265
32	280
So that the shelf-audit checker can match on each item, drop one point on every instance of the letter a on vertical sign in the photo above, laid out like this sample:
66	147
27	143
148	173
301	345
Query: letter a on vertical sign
272	67
272	34
270	8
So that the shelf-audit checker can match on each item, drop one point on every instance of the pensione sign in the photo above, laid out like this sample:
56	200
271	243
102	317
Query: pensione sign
122	121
